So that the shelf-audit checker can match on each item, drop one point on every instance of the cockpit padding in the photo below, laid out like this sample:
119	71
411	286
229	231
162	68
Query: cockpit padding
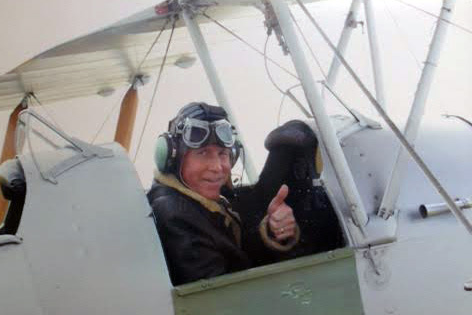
13	188
291	160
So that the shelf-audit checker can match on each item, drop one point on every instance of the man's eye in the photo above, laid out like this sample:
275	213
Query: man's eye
224	153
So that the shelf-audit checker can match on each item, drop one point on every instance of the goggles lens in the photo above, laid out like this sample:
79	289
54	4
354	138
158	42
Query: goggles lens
196	132
224	132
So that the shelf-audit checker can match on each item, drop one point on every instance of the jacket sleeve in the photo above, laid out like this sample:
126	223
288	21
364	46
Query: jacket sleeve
189	249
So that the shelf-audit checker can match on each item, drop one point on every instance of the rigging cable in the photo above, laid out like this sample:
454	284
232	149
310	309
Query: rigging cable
33	96
155	89
419	161
280	108
283	99
325	82
135	73
267	67
249	45
309	47
410	50
266	58
402	35
110	112
436	16
152	47
336	96
286	92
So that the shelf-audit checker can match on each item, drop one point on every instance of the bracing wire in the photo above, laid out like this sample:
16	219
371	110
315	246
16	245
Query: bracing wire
419	161
267	67
284	93
336	96
249	45
409	48
283	100
152	46
156	39
107	118
148	114
318	63
33	96
402	35
267	58
284	96
435	16
309	46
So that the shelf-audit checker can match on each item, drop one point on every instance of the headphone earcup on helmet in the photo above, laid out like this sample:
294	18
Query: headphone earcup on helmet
165	153
235	152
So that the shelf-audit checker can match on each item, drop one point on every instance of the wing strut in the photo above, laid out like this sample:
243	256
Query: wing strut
220	95
9	150
125	126
349	25
327	132
392	191
434	181
374	53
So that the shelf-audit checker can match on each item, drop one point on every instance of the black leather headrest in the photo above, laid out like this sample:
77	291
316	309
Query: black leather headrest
294	133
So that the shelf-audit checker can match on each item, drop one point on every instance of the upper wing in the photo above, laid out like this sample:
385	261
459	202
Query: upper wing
105	59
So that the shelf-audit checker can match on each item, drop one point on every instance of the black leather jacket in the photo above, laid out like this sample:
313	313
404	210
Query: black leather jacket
201	243
197	242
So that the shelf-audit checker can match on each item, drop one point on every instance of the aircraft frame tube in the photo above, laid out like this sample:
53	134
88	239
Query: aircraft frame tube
343	41
429	210
327	132
220	95
392	191
374	53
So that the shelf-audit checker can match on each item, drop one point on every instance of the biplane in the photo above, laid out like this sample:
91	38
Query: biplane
77	237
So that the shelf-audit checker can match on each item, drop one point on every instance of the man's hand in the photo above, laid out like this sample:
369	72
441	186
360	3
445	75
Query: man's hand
281	220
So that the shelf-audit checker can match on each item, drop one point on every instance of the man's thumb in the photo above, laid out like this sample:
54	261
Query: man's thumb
279	198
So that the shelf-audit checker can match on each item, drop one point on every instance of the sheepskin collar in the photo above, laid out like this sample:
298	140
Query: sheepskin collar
172	181
222	207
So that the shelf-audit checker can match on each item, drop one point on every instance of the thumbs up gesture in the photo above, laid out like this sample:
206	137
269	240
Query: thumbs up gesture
281	221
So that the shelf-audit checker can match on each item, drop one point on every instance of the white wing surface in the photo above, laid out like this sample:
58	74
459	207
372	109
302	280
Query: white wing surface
108	58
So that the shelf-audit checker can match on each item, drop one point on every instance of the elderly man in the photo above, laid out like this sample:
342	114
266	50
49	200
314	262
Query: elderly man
200	233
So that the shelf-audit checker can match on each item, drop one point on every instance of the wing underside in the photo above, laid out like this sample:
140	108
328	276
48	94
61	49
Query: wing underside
103	60
112	57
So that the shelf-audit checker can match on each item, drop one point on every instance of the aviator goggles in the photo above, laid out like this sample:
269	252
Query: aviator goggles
197	133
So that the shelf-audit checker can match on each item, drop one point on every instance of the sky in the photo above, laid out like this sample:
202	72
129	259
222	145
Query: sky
30	27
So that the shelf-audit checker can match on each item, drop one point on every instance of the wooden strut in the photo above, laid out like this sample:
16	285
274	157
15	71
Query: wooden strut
124	129
9	151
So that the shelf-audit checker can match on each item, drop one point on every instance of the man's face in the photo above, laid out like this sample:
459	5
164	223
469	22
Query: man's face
206	170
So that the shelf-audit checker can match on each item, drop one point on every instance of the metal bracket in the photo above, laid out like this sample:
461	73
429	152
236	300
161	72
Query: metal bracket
89	151
86	151
363	122
351	22
195	7
386	214
272	24
139	80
